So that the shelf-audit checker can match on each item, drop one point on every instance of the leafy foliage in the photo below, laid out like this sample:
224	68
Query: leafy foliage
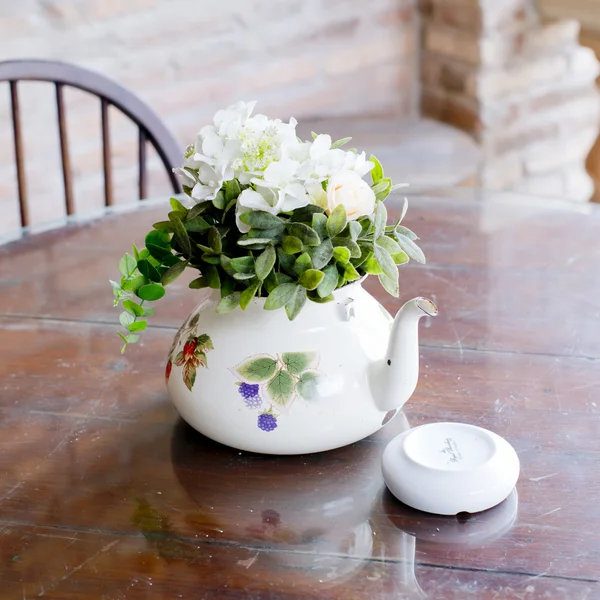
290	258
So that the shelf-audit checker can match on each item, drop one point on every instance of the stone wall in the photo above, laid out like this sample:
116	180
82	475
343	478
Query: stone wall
187	58
524	89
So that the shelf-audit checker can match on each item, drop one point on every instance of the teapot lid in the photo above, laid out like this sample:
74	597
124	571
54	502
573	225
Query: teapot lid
449	468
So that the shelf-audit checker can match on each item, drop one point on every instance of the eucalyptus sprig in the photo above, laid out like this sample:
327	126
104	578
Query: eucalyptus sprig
289	258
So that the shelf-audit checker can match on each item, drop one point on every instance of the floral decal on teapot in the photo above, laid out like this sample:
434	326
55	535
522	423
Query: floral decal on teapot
193	354
270	384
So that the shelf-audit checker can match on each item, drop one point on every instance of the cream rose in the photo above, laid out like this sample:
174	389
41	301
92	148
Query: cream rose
353	192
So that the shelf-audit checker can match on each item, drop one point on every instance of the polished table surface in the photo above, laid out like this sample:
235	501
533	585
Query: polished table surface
105	493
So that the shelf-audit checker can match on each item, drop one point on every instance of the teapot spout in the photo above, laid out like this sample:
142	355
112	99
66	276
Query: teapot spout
394	380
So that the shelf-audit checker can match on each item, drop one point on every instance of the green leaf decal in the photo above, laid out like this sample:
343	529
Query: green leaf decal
307	385
280	389
189	375
265	262
296	362
258	369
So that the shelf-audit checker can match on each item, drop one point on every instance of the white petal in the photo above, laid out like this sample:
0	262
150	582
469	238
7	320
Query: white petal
201	193
239	210
253	200
281	171
320	146
293	202
186	177
212	144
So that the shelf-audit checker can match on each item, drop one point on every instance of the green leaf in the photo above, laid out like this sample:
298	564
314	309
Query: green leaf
228	303
135	251
280	296
158	238
381	186
243	264
126	319
227	286
257	369
319	224
280	389
296	303
165	225
340	143
214	240
196	210
336	223
219	201
307	385
127	265
148	311
157	252
286	261
307	235
133	285
406	232
403	211
197	225
232	190
249	293
211	276
400	258
387	243
302	263
181	236
271	234
411	248
310	279
198	283
133	308
390	284
322	254
380	220
372	266
296	362
291	244
350	273
265	262
172	273
329	281
376	171
316	298
352	246
226	265
189	375
383	192
137	326
151	292
271	282
176	205
147	270
211	259
260	219
306	213
341	254
251	242
355	229
387	264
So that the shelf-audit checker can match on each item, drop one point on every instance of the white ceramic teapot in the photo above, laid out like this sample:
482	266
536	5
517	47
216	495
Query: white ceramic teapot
256	381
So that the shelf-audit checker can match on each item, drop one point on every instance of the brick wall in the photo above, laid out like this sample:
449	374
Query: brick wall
187	58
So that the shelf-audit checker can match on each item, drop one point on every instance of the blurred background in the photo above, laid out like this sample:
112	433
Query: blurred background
493	93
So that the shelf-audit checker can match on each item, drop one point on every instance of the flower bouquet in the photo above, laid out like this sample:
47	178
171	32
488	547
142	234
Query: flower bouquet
267	215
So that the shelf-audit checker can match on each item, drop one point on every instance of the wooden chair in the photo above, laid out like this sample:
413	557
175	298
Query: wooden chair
150	127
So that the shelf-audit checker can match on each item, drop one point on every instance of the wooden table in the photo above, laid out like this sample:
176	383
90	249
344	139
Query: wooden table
106	494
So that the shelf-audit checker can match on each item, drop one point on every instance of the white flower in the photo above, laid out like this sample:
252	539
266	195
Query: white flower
228	122
348	189
262	198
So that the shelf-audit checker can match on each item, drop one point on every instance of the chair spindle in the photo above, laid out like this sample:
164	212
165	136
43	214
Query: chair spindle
143	178
64	149
106	153
14	100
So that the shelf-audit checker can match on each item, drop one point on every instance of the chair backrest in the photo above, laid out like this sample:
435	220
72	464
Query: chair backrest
150	127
